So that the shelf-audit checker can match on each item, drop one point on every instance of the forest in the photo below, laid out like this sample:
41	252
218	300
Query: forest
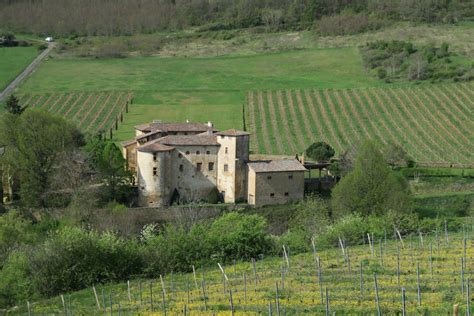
111	17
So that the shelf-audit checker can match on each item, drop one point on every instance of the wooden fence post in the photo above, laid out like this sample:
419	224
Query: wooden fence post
404	311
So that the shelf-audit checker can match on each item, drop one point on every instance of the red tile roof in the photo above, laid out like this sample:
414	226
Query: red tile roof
175	127
153	146
189	140
232	132
276	165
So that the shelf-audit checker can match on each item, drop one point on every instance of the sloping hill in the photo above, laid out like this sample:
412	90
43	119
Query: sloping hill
434	123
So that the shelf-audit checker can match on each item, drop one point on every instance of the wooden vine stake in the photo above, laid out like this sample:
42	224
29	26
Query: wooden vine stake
379	313
418	283
96	297
162	284
163	299
404	308
327	302
231	303
370	244
203	284
446	231
151	296
361	272
398	266
64	304
468	297
462	276
400	237
286	256
431	260
277	299
129	293
29	308
195	279
320	280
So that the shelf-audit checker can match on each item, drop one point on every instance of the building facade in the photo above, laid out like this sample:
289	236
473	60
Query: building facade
183	162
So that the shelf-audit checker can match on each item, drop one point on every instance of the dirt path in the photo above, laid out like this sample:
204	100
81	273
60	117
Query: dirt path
28	70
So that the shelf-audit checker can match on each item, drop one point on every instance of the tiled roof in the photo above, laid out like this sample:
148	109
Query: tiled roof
232	132
154	146
189	140
175	127
147	134
276	165
128	142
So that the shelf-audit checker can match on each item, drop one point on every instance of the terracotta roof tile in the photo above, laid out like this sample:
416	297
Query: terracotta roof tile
189	140
232	132
276	165
154	146
175	127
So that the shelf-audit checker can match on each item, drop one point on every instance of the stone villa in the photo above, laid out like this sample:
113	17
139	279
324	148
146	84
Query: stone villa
190	161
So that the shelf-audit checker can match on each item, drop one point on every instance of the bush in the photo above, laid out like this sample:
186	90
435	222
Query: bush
15	285
234	236
74	258
348	23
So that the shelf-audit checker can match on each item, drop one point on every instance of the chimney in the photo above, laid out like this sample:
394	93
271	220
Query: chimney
209	123
187	122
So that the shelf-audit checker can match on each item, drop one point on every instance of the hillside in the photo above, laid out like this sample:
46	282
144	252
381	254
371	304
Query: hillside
429	270
433	123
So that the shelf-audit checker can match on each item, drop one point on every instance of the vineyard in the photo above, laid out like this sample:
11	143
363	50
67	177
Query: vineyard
91	112
433	123
417	274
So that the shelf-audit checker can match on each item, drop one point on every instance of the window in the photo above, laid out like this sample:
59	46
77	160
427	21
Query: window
287	194
154	157
226	168
211	166
208	152
181	167
226	150
187	153
155	171
290	177
180	155
199	166
269	177
198	152
272	194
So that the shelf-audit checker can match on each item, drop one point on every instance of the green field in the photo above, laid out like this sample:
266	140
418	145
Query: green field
13	60
199	89
429	269
432	122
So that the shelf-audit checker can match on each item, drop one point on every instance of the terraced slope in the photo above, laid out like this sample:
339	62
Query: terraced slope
434	123
91	111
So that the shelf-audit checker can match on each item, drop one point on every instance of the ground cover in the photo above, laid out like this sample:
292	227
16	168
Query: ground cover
92	112
13	60
434	272
433	123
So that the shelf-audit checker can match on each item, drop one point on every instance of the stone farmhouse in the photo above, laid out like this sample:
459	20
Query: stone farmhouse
190	161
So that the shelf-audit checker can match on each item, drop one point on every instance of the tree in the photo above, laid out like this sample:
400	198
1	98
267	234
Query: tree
320	152
40	138
105	157
371	188
13	105
395	155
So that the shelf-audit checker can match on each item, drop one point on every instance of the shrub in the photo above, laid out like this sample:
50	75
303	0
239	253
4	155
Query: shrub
15	285
74	258
234	236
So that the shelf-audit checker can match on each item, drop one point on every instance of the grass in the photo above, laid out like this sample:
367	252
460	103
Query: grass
349	280
13	60
431	123
91	112
198	89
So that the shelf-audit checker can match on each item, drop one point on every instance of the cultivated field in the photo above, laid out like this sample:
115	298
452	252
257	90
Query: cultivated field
91	112
434	273
434	123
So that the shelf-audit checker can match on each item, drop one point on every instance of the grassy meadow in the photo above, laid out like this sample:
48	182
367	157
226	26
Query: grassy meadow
428	268
13	60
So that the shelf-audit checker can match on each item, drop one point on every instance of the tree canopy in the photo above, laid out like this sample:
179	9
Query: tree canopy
371	188
320	151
